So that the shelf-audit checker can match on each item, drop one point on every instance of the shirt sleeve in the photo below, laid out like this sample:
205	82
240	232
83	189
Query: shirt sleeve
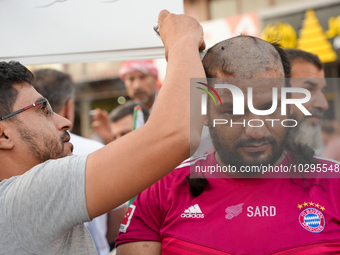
142	221
46	202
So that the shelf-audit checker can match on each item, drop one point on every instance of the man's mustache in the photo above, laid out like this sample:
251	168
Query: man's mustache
63	138
64	135
317	112
249	141
139	91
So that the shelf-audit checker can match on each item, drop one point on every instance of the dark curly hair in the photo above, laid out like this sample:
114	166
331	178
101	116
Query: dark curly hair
11	73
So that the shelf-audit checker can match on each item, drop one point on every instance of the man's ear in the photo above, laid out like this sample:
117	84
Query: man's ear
6	142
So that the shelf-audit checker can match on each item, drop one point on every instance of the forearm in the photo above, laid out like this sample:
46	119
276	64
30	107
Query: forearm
183	64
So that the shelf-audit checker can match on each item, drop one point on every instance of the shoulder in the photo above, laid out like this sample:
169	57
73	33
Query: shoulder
183	169
195	161
326	168
52	171
328	161
4	184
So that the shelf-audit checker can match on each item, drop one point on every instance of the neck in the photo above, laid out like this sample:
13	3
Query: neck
12	166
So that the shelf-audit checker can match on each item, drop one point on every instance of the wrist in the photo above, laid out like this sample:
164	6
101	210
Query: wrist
186	45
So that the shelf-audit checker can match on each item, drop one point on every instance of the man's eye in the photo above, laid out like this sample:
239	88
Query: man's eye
45	110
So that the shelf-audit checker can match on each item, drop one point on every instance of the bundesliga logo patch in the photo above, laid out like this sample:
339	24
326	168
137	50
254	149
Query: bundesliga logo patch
127	218
312	219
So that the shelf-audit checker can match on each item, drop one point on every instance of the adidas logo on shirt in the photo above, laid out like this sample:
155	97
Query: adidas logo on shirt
193	212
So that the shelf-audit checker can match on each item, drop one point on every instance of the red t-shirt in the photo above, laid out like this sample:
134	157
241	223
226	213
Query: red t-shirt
237	216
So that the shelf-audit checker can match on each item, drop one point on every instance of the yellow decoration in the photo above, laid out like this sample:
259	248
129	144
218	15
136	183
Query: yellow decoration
300	206
282	33
333	27
311	203
313	39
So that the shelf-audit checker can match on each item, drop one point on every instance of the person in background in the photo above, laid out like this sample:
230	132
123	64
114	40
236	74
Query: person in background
59	90
308	73
140	79
121	119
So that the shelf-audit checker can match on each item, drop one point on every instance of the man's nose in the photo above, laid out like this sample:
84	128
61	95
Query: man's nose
61	122
255	128
320	101
137	83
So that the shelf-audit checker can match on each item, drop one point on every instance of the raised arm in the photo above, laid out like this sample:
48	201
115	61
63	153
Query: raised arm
127	166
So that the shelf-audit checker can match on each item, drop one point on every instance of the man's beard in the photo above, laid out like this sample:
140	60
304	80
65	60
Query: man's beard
310	134
146	99
230	156
305	133
50	149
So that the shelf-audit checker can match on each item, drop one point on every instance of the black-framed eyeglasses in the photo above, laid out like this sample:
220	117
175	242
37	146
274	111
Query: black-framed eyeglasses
43	102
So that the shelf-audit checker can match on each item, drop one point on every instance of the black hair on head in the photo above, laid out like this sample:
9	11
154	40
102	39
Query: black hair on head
11	73
303	56
127	109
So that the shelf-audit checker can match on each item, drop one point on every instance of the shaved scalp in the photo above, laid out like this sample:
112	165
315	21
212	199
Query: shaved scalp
245	57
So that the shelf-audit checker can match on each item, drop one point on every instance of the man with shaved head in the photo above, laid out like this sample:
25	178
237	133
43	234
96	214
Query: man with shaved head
245	57
243	199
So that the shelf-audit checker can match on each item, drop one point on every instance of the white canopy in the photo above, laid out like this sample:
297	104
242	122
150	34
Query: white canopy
66	31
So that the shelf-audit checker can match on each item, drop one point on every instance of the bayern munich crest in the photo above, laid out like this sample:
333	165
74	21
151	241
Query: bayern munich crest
312	220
